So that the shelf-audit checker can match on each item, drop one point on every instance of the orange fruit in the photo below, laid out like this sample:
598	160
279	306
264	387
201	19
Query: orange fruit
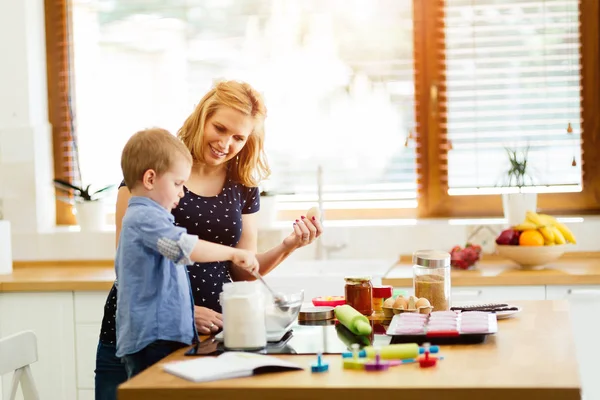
531	237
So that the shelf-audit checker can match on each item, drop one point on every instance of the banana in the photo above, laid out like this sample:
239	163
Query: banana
552	230
548	243
525	226
547	233
534	218
559	238
566	232
547	219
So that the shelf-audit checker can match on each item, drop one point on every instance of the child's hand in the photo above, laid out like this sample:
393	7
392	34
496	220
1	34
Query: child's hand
245	259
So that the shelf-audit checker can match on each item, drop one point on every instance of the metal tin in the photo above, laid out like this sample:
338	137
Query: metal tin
316	314
431	258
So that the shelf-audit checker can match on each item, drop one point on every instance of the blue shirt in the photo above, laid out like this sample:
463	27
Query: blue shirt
155	300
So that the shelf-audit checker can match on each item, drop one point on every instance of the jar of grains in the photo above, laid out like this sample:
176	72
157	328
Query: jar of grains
431	277
359	294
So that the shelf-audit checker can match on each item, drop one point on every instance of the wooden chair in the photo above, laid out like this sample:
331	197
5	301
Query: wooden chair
17	352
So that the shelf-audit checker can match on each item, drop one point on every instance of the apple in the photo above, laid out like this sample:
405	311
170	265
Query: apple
508	237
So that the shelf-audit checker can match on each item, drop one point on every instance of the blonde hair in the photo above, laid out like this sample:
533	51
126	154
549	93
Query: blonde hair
250	166
155	149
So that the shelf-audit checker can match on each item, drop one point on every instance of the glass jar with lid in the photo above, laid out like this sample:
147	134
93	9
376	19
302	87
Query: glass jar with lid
359	294
431	277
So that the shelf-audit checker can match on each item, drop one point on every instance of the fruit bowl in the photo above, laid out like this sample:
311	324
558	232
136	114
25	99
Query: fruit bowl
529	257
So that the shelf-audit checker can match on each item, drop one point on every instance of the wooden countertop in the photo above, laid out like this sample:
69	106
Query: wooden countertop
51	276
59	276
569	270
531	357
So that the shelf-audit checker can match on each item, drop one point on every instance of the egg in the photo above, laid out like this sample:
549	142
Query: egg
314	212
400	302
422	302
412	303
389	303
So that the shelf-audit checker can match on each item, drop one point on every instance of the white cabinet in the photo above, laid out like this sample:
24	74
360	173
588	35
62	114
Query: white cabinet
50	316
89	308
87	394
584	303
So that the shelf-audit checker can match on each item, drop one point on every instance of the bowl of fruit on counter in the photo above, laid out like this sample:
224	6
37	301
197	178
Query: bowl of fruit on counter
538	240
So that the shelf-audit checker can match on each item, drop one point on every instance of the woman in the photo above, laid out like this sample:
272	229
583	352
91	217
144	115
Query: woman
225	135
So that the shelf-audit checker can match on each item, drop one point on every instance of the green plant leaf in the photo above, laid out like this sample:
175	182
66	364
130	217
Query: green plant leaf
67	186
104	189
518	172
80	192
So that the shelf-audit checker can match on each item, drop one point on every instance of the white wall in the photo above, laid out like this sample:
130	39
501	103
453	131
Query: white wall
25	137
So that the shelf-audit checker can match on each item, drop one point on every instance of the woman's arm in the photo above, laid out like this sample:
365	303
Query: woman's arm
305	232
123	196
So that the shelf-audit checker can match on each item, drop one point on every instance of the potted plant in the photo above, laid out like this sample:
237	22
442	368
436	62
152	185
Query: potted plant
6	266
89	210
515	205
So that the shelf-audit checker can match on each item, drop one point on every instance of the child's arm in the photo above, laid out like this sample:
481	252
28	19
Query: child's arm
205	251
173	242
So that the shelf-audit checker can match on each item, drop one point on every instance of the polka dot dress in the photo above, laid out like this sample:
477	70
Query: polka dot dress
216	219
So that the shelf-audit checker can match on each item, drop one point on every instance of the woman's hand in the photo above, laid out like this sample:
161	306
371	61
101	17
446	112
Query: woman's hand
207	320
305	232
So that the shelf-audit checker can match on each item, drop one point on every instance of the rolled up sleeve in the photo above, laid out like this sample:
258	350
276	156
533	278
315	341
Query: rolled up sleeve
159	234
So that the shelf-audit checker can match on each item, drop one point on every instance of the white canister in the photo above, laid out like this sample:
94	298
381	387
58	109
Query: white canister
244	326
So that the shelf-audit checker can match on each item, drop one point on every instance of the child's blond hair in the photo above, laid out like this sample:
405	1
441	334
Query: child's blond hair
155	149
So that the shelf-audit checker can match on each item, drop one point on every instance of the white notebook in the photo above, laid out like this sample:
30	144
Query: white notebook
227	366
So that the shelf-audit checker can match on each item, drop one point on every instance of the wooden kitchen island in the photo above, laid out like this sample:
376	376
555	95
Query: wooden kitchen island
531	357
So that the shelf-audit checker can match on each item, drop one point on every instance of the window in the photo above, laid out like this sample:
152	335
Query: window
512	80
339	93
507	74
406	105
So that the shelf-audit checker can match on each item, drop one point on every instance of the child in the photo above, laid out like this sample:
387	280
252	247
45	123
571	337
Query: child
155	310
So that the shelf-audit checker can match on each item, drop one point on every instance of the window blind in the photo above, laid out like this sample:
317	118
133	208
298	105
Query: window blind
512	80
337	77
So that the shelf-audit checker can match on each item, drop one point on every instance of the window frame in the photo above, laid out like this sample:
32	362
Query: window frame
58	45
431	142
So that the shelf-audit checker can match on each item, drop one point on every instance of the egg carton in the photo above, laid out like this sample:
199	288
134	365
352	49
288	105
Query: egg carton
411	307
389	312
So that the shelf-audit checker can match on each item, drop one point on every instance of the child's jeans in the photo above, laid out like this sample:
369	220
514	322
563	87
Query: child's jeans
149	355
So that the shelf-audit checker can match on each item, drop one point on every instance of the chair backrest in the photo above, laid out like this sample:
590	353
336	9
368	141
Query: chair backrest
17	351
